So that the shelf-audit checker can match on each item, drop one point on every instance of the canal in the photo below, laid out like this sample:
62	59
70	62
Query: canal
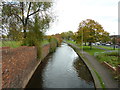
62	69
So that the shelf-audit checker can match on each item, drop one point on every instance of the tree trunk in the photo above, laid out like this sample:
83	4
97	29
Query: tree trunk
90	44
114	47
24	31
85	43
114	43
25	34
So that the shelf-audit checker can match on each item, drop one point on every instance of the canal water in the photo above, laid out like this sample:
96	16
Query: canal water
62	69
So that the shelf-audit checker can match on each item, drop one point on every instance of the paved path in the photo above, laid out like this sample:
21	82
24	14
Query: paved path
104	73
106	50
102	48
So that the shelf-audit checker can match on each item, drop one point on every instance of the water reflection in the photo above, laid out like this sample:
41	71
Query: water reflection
61	70
82	71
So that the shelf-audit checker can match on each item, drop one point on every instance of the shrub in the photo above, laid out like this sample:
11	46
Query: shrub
109	57
35	36
53	44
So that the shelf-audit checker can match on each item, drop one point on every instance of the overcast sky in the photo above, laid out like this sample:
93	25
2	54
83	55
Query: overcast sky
71	12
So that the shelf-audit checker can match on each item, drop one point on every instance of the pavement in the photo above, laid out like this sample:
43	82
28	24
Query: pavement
102	48
105	73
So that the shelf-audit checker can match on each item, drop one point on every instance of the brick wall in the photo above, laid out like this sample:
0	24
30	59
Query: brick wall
18	65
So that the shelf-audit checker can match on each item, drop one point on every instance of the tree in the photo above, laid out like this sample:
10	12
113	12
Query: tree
22	13
113	41
105	37
67	35
91	31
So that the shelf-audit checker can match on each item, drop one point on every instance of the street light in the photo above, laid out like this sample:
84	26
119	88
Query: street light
114	40
82	41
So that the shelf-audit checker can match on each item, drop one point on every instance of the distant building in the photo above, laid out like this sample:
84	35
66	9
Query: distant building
117	39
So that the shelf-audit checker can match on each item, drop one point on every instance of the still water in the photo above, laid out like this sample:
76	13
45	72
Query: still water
62	69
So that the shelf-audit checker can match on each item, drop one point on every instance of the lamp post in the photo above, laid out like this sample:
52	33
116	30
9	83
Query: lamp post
114	40
82	41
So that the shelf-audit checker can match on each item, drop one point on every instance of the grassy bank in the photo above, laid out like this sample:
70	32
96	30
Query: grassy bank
15	44
97	78
44	42
109	57
71	42
87	48
91	51
107	47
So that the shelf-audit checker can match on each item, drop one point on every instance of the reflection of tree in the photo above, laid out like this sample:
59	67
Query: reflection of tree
37	79
82	70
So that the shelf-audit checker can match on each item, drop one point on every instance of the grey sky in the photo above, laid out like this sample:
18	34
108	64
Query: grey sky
71	12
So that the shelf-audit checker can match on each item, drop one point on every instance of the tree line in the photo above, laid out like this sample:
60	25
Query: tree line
89	31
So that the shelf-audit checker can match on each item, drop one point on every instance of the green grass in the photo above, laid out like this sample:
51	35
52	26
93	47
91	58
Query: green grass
87	48
108	48
110	57
44	42
15	44
91	51
12	44
96	73
70	41
100	79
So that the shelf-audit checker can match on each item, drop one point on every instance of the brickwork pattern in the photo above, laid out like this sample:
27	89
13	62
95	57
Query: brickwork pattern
17	63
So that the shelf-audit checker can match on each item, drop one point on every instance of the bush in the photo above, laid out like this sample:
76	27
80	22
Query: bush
112	54
53	44
109	57
39	49
35	36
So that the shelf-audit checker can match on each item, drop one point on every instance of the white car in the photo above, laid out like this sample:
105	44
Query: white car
107	44
97	43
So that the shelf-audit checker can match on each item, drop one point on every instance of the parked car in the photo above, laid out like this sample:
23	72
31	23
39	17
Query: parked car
103	43
116	46
107	44
93	43
97	43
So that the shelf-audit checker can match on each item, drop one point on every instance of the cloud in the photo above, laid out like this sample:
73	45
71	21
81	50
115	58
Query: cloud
71	12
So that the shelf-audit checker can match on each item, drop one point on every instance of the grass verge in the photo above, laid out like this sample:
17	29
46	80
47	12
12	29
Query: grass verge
44	42
71	42
107	47
109	57
91	51
15	44
100	79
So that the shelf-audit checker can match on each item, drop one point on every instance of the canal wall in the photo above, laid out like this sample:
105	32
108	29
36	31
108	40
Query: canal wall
103	78
19	64
97	82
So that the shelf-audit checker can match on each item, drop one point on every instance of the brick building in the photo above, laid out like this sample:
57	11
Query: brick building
117	39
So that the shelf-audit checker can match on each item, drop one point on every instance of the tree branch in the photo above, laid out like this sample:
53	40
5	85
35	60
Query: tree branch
34	12
26	19
29	9
18	16
22	12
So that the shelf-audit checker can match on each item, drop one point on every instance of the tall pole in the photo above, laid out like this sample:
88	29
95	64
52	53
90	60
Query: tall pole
82	41
114	40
